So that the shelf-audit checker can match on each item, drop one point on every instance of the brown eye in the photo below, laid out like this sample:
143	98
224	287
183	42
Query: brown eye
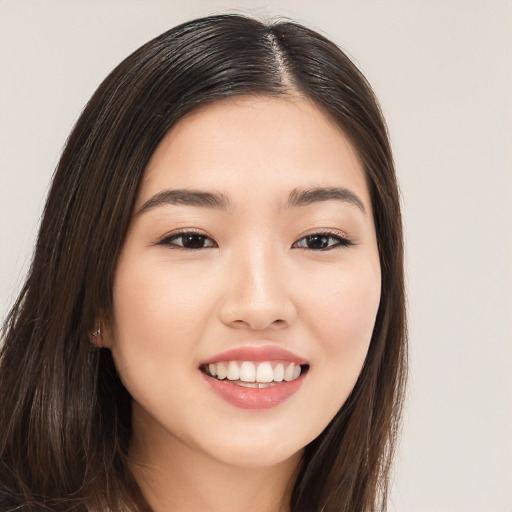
317	242
188	241
322	241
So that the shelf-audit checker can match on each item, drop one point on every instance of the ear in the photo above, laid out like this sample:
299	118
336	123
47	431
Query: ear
99	336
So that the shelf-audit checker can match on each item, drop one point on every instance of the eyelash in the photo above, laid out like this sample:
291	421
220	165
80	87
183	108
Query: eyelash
341	240
168	240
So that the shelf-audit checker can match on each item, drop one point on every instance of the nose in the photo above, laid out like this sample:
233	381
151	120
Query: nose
258	292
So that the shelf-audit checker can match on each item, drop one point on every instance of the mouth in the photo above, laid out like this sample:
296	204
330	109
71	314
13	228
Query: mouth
255	377
255	374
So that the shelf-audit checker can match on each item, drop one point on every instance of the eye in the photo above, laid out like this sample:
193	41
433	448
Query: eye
187	240
322	242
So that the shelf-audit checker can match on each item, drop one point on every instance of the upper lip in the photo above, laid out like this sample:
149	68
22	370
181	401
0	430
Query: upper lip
256	353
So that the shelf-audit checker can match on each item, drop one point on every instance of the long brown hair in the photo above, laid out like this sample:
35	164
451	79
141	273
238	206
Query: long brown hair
65	417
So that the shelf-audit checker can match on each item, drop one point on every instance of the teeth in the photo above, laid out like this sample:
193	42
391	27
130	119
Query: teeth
233	371
222	371
255	384
265	373
279	372
289	372
250	374
248	384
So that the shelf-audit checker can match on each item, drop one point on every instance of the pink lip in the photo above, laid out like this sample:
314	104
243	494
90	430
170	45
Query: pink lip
261	353
254	398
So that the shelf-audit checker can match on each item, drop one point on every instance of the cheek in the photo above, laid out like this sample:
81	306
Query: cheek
343	313
354	308
159	315
157	297
346	304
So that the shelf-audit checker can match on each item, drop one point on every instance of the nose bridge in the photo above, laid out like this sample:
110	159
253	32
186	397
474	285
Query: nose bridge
257	294
259	273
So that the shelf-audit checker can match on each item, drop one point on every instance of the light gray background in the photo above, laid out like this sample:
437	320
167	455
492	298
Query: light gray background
443	72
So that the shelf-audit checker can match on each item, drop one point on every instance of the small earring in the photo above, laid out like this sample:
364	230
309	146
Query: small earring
97	332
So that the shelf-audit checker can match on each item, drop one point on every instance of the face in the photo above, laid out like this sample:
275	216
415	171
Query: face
248	285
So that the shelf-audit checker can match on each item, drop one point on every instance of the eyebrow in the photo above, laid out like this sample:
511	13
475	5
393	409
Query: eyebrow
304	197
183	197
298	197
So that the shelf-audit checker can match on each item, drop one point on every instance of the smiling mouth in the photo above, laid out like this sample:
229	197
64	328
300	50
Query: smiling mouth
254	374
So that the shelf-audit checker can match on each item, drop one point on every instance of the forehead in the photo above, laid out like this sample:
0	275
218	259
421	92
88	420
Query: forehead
252	144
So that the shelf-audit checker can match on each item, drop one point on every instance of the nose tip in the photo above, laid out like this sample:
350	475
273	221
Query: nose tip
257	298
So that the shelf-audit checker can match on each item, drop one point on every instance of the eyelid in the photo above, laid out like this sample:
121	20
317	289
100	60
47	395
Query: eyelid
326	231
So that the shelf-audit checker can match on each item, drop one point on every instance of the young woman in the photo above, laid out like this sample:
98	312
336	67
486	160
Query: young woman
214	317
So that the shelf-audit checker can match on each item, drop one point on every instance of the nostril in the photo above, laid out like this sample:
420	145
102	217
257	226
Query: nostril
280	324
259	325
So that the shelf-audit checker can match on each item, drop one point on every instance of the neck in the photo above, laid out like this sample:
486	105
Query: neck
176	477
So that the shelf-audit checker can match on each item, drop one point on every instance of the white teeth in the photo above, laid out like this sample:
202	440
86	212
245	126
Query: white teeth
248	372
255	384
222	371
265	373
288	373
279	372
247	384
233	371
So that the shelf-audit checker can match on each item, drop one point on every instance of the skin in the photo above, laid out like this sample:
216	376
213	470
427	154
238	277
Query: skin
256	285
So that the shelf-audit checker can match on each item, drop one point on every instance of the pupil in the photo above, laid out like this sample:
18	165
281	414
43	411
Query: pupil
193	241
317	242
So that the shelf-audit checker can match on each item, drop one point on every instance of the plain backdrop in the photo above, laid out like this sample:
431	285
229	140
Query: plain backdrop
443	72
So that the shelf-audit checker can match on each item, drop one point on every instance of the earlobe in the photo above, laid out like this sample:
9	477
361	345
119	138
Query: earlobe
98	339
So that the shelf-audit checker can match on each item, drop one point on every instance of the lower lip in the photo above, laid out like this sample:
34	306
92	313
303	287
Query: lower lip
254	398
